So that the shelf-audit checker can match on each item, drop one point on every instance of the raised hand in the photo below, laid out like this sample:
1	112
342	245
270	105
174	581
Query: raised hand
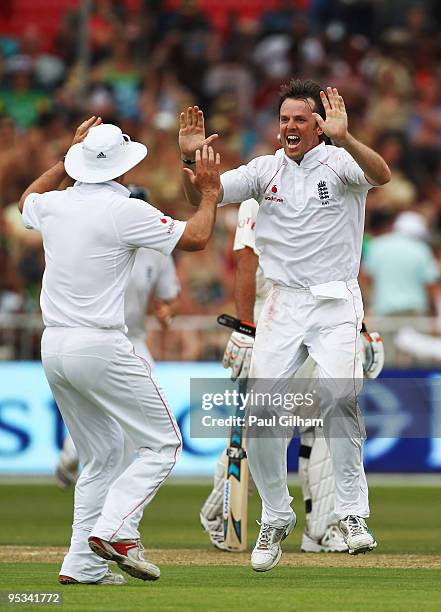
206	177
192	132
336	124
83	129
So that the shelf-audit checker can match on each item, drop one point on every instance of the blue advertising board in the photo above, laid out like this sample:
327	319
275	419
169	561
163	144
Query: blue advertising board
32	431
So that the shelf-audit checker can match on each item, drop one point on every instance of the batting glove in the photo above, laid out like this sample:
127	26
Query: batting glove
372	353
237	355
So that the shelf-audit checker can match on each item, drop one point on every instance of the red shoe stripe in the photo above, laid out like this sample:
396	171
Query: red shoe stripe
123	547
67	580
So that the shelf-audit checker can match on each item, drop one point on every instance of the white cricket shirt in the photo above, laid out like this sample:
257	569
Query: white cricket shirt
90	235
246	237
152	274
310	222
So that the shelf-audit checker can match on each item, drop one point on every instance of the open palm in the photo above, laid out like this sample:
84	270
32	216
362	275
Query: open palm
336	124
192	132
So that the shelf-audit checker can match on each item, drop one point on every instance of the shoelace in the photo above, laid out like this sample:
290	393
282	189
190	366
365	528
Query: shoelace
355	526
264	536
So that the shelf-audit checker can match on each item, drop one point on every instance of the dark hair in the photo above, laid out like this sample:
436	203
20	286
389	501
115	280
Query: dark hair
302	90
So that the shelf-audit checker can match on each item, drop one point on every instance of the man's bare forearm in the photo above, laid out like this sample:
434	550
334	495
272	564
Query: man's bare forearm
191	193
48	181
245	284
372	164
200	226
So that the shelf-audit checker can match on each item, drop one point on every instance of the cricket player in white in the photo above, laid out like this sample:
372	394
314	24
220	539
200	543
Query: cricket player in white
105	392
153	275
309	231
315	466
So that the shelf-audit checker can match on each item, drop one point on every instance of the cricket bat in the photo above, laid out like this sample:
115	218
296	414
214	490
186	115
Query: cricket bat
235	501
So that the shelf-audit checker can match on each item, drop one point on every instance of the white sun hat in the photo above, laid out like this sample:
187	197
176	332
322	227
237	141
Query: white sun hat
411	224
106	153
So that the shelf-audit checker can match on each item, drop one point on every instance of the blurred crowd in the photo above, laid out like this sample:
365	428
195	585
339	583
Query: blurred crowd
147	65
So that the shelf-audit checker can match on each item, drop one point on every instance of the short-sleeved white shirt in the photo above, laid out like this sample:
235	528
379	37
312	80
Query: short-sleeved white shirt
90	235
246	237
310	222
153	274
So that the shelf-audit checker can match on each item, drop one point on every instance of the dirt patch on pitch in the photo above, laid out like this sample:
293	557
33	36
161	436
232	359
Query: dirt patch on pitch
183	556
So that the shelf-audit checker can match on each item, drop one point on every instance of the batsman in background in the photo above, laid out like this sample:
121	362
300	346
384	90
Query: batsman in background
315	466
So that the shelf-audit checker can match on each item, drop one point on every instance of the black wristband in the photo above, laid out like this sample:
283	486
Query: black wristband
188	162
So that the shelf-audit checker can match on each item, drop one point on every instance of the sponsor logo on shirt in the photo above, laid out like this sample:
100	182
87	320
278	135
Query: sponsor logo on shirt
323	192
271	198
171	226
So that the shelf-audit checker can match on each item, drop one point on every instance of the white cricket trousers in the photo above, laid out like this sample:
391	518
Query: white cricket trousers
126	435
293	324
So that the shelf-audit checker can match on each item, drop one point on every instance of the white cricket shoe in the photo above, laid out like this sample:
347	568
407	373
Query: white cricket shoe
357	535
215	530
267	551
332	541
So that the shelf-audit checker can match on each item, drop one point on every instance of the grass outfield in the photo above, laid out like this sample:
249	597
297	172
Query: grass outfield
403	574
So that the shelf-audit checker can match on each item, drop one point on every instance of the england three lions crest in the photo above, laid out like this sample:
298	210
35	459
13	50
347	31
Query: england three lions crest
323	192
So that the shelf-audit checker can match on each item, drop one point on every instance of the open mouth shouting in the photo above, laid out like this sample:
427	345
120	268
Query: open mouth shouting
292	141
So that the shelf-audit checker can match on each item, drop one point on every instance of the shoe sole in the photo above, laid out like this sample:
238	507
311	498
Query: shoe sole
363	549
136	572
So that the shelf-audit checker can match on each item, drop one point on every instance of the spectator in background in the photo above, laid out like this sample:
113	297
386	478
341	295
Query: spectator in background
402	268
19	98
401	192
123	77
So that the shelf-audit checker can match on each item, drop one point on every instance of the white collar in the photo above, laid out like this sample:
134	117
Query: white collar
312	158
112	184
